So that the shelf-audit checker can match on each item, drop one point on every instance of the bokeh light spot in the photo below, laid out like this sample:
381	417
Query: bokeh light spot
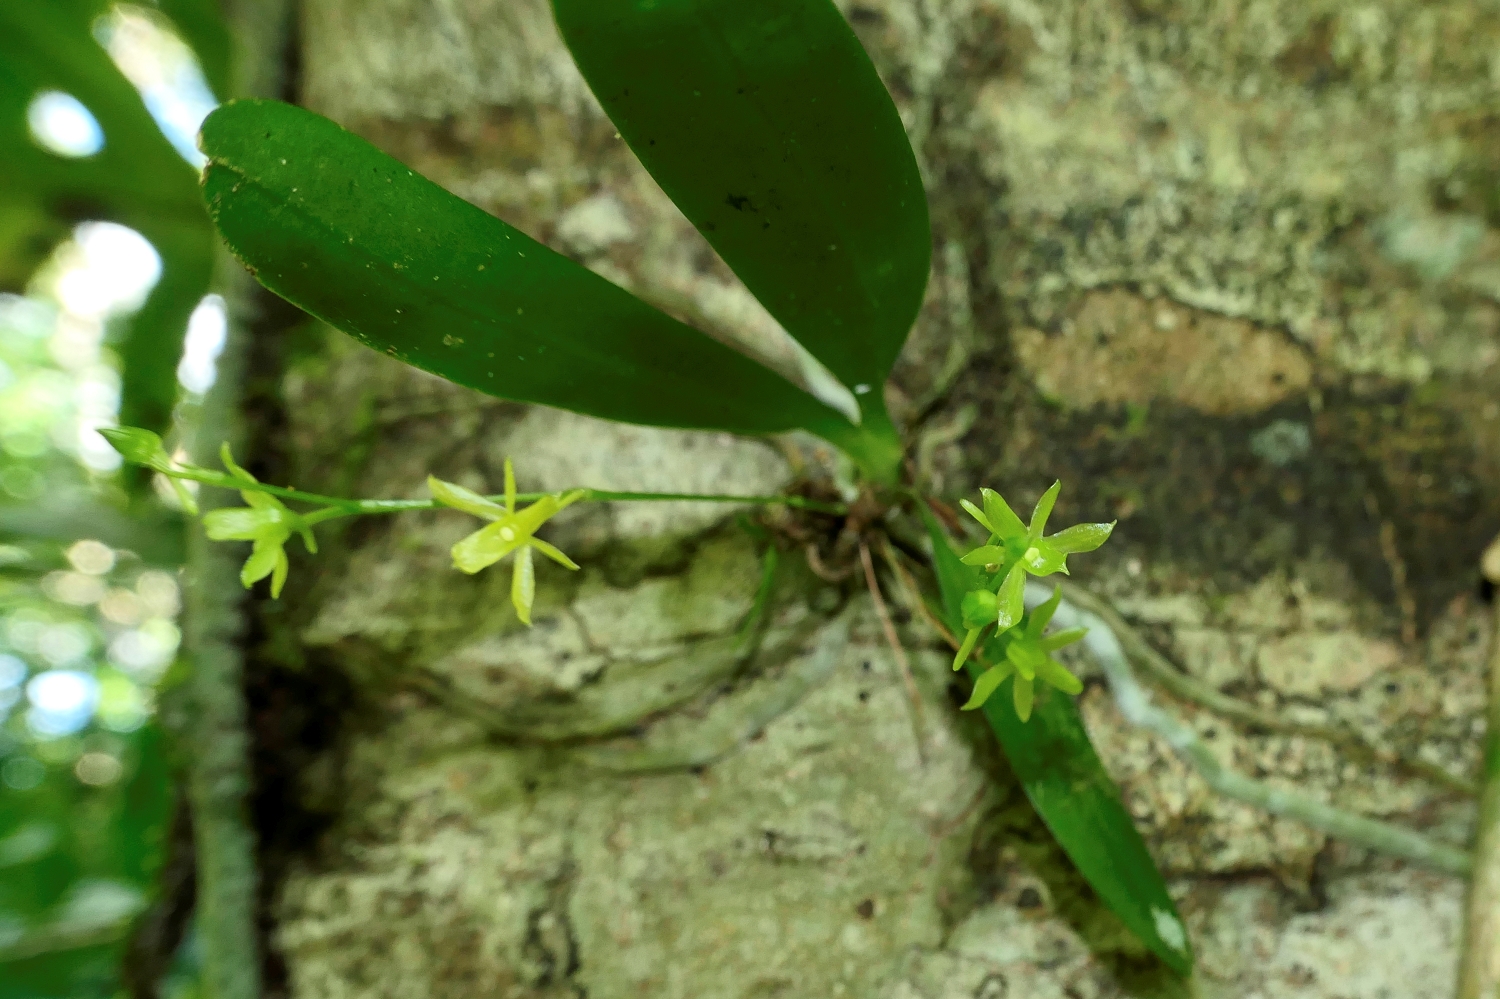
61	124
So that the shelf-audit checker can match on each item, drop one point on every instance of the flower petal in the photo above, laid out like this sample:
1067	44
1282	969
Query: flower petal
1002	517
184	497
236	523
985	556
534	516
1043	511
261	563
1051	671
278	574
234	470
1081	538
966	648
986	684
1024	694
305	529
1057	640
1042	616
1009	602
459	498
260	501
484	548
1025	657
1041	559
552	553
523	585
977	514
510	486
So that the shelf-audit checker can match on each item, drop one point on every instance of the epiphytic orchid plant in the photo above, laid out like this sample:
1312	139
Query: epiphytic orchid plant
769	127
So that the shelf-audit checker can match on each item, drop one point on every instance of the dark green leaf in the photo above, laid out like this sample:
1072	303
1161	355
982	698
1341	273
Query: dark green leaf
767	124
1056	763
337	227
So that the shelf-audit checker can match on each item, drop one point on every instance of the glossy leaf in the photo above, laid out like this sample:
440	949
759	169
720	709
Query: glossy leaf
1056	763
337	227
768	126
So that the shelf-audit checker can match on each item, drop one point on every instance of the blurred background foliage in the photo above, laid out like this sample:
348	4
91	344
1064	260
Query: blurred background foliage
106	316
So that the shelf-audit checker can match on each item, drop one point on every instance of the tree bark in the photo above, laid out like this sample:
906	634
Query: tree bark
1231	270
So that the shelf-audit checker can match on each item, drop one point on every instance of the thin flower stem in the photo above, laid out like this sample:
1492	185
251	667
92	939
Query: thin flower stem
343	507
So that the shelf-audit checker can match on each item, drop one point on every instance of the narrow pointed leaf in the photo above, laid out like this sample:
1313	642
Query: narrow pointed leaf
986	684
1081	538
335	226
1052	757
767	124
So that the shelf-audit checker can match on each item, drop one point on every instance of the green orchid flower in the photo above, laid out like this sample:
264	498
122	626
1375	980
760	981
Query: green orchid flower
1028	658
265	522
1014	551
512	531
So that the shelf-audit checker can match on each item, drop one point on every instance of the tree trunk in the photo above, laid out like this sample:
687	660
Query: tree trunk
1231	270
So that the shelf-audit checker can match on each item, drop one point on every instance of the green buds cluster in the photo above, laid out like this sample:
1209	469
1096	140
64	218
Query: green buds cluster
265	522
1014	551
511	531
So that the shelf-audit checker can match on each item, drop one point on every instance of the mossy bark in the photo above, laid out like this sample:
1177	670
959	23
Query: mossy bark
1231	270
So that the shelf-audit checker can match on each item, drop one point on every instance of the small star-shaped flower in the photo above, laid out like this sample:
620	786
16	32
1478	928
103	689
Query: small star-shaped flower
1016	549
511	532
265	522
1028	657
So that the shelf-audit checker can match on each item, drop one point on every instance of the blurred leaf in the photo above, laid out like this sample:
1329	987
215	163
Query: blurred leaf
768	126
137	176
137	179
200	23
154	534
337	227
1056	763
153	345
